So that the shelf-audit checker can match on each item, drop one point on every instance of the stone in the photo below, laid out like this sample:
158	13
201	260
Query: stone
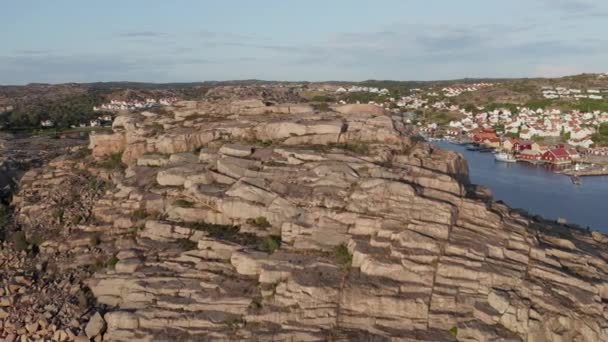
236	150
96	326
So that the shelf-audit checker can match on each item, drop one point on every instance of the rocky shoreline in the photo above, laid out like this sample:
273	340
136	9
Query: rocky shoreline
247	220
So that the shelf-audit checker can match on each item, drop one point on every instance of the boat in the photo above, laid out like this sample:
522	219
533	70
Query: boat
576	180
505	157
485	149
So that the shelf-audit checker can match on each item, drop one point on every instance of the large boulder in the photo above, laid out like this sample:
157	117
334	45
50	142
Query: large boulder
103	145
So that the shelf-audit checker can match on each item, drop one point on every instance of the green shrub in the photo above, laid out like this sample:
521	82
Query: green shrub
342	256
270	243
19	241
264	143
183	203
112	262
453	331
260	222
139	214
112	162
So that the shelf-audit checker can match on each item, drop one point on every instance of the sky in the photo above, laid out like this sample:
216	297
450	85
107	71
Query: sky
314	40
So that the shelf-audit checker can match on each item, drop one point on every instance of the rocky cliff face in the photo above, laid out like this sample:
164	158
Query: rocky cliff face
232	222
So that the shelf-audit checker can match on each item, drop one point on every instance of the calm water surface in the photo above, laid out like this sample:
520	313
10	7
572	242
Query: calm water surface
539	190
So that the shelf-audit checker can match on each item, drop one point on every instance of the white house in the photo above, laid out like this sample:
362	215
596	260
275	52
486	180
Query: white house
47	123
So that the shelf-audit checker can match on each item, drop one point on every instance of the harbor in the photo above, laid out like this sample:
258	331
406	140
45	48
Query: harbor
558	158
543	189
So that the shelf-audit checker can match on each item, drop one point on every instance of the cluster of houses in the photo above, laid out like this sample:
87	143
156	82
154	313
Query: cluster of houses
116	105
100	121
576	126
525	150
457	90
359	89
568	93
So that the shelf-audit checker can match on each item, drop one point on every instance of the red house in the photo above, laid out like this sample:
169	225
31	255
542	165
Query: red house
485	134
557	156
531	156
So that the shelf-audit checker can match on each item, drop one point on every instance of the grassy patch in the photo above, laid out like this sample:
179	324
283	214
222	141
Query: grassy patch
19	241
260	222
270	244
111	263
112	162
358	147
453	331
264	143
342	256
182	203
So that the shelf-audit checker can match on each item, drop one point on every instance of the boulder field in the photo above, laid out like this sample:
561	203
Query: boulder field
270	222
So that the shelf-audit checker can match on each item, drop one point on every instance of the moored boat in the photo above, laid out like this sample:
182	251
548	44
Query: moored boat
505	157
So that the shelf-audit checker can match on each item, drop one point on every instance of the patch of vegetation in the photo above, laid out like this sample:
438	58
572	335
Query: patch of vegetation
64	112
564	136
360	148
81	153
36	239
5	216
234	324
139	214
260	222
600	138
19	241
182	203
112	162
590	105
186	244
264	143
342	256
363	97
227	233
97	265
57	214
537	138
453	331
512	107
157	128
270	244
94	240
218	231
323	98
256	304
111	263
320	106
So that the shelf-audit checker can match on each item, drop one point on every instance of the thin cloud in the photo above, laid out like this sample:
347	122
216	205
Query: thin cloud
142	34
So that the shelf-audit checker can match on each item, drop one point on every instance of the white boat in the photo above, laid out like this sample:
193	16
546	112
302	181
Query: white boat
505	157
